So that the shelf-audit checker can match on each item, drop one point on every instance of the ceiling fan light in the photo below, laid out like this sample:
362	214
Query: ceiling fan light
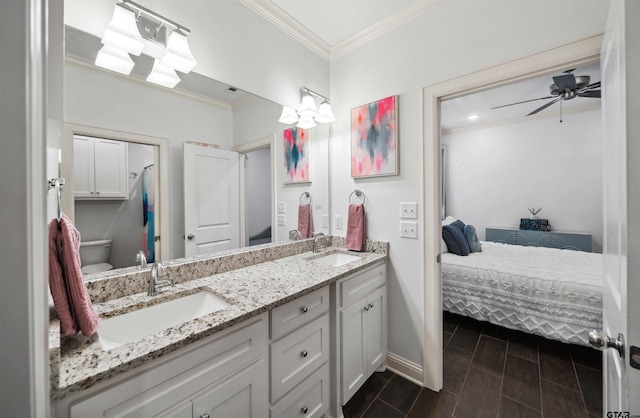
115	60
163	75
306	122
288	116
308	107
473	116
178	54
122	32
325	114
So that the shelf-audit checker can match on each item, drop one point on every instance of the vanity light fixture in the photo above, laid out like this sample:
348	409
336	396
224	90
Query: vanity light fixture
163	75
308	114
135	29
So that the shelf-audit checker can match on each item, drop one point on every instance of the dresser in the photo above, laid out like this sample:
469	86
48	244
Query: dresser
552	239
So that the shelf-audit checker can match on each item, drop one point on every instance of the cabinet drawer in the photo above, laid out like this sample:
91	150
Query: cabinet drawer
296	355
298	312
359	285
309	399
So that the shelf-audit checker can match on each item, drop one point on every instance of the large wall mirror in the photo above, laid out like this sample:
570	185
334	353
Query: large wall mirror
103	104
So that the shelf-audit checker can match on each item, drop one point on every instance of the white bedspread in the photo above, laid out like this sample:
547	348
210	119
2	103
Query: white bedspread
545	291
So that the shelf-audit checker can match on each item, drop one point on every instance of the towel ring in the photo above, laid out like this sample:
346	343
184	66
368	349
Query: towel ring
307	195
358	193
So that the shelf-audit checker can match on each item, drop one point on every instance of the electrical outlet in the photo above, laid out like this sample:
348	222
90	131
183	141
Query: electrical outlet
409	230
281	220
282	207
338	221
408	210
325	221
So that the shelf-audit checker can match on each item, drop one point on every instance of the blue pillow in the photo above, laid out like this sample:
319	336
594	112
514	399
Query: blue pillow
472	238
458	224
455	239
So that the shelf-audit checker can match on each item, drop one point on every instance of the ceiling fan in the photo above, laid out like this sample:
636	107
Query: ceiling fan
565	87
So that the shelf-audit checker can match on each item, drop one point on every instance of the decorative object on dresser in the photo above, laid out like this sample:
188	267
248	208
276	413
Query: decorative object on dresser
527	224
564	240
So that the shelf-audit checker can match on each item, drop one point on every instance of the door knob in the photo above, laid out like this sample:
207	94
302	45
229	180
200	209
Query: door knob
599	339
190	237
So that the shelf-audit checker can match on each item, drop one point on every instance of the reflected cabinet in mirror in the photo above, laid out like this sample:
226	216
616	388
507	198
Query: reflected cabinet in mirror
200	167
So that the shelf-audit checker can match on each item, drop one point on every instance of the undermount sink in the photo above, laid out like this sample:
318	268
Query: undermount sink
336	259
133	326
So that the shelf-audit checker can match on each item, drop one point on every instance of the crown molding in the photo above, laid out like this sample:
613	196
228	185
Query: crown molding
279	18
382	27
293	28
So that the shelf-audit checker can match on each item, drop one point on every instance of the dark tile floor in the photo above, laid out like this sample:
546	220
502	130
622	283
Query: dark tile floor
490	371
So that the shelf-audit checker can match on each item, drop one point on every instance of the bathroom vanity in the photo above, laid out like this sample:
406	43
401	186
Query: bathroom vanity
297	334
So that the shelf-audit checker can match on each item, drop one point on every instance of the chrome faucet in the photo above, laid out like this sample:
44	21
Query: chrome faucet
142	259
316	246
157	270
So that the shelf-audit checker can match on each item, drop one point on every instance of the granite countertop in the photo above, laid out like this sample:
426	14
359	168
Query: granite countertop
81	362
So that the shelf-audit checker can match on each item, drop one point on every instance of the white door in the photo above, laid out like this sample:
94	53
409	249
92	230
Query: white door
211	200
619	58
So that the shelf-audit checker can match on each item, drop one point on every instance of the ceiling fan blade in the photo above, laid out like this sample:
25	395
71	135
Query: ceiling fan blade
543	107
564	82
590	93
595	85
526	101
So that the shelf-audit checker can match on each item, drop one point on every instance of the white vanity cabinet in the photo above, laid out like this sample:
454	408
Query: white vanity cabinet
362	322
299	353
100	169
226	374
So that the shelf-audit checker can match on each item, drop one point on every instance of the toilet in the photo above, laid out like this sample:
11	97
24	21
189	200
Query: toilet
94	256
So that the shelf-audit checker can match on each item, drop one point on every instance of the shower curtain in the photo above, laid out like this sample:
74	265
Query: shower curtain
148	204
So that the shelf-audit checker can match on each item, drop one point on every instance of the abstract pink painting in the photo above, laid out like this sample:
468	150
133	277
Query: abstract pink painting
374	139
296	155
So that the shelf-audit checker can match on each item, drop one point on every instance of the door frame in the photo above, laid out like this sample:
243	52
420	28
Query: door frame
575	53
161	159
267	141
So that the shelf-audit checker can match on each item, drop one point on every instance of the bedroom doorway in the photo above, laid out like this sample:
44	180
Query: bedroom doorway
575	54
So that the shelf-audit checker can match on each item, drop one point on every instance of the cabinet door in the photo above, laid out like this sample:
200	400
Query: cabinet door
352	336
111	169
375	329
83	180
242	394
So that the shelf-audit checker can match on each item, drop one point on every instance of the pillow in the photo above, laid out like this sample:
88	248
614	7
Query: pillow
448	220
455	239
458	224
443	246
472	239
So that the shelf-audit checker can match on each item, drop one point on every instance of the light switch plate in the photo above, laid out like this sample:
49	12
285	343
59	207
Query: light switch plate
325	221
281	220
338	221
408	210
282	207
409	230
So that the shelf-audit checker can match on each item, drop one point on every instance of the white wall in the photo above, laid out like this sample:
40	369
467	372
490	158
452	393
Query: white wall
451	39
495	174
122	221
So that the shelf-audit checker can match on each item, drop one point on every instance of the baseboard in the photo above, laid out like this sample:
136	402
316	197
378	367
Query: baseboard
405	368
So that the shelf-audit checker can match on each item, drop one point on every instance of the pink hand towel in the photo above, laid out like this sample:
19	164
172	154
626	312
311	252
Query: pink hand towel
56	283
305	221
355	228
84	317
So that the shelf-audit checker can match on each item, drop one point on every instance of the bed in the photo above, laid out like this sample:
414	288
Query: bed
545	291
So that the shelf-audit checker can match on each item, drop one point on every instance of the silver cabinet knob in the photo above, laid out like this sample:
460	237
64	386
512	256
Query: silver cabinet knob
370	305
304	353
304	309
366	308
304	409
190	237
600	340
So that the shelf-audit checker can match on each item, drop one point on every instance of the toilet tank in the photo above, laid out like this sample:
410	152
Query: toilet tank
95	252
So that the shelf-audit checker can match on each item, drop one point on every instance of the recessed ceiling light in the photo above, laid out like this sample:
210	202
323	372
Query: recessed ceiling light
473	116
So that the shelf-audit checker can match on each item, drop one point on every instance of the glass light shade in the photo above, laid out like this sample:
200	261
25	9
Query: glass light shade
308	107
288	116
306	122
115	60
178	55
325	113
122	32
163	75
